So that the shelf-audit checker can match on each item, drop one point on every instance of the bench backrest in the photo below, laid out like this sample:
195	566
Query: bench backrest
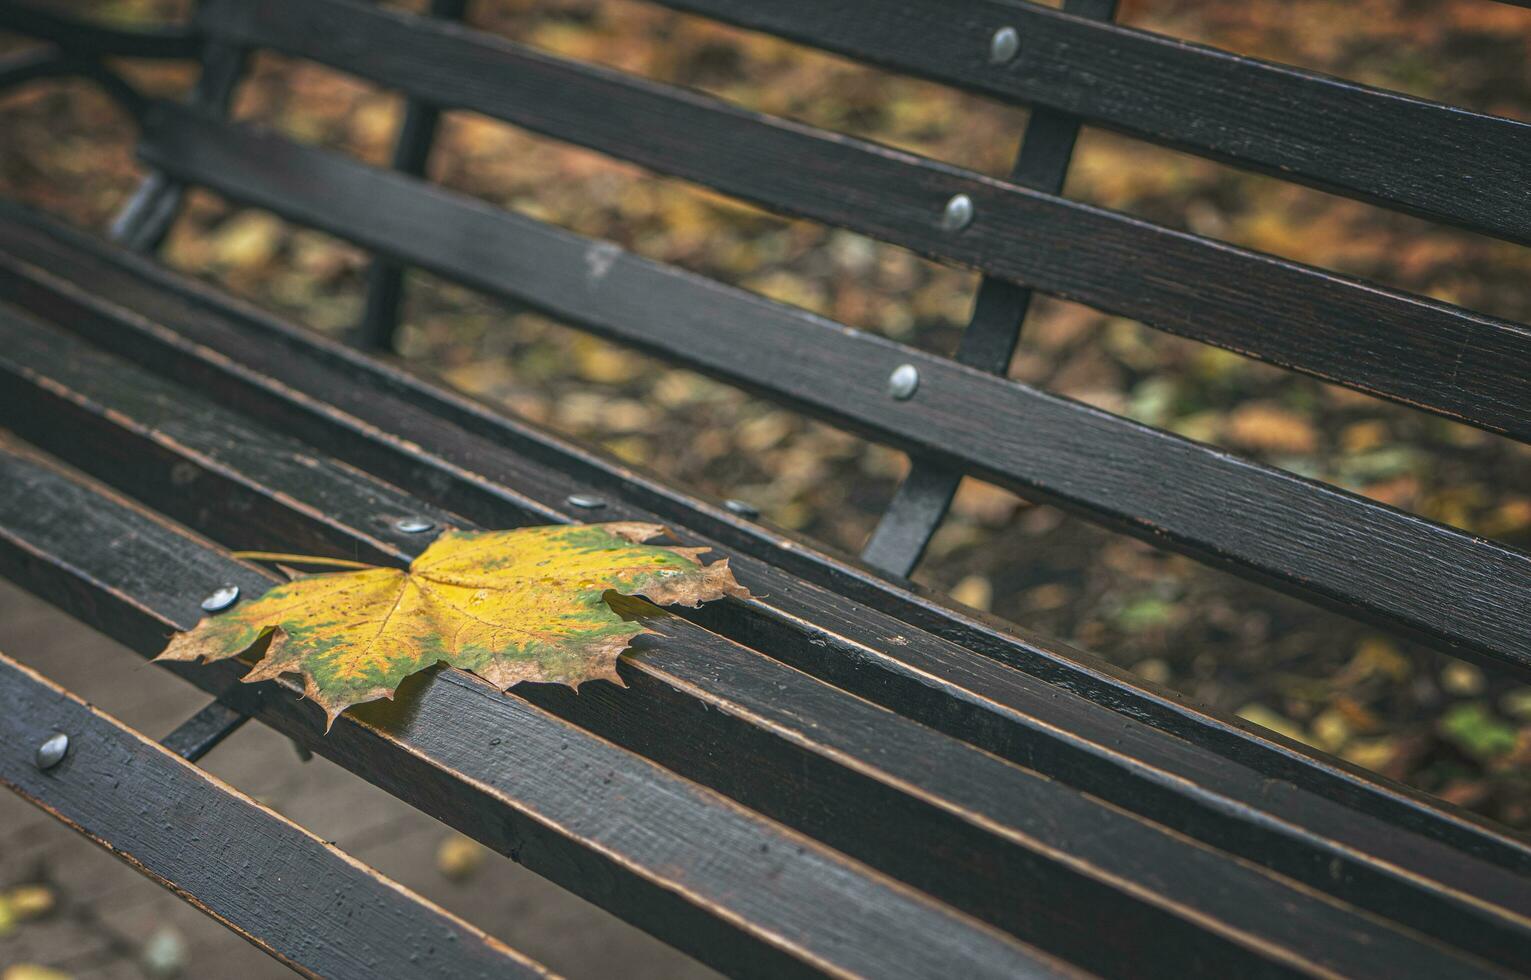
960	416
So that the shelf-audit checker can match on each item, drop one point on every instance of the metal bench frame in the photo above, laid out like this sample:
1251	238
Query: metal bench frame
846	775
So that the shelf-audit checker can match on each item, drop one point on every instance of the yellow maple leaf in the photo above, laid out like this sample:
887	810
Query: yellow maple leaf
510	606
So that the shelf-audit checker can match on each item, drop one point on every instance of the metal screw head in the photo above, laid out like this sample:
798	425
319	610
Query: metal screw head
903	382
584	501
413	525
1004	45
958	214
221	598
52	751
741	507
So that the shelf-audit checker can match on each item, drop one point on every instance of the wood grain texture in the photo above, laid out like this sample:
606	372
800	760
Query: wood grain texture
1437	161
411	151
1086	725
947	818
1254	748
301	900
1463	594
1462	364
988	343
1071	740
145	220
610	826
857	776
1073	669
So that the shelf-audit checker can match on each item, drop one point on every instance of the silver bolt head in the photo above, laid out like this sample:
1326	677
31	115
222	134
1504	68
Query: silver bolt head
1004	45
52	752
958	214
585	501
221	598
903	382
413	525
741	507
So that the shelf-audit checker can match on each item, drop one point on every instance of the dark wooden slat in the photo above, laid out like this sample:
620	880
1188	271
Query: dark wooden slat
145	219
147	216
987	712
412	149
905	807
200	734
376	424
988	343
983	636
96	40
613	828
1228	806
1463	594
36	64
1419	351
1437	161
1263	752
299	899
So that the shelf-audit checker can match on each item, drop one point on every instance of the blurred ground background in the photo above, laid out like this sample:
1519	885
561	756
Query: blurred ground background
1441	725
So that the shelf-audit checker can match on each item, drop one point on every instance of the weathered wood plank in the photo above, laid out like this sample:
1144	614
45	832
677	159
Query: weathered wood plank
411	151
145	220
106	403
299	899
1433	160
98	40
1463	594
610	826
950	819
1341	329
823	781
988	342
945	686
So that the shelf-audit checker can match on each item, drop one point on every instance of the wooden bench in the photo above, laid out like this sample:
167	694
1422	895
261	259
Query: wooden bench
844	775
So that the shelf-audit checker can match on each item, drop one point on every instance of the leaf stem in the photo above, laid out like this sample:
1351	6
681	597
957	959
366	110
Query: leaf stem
278	556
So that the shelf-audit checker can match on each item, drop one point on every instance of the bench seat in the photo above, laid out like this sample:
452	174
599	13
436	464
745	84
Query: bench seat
820	757
843	774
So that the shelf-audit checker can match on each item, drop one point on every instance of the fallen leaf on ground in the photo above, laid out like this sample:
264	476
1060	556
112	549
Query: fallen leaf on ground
21	903
1474	729
29	901
1272	429
33	971
510	606
458	857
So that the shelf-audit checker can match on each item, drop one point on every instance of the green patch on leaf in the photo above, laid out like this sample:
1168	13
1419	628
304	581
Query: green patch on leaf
510	606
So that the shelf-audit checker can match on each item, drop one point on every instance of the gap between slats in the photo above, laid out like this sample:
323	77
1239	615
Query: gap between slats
1341	330
1466	595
